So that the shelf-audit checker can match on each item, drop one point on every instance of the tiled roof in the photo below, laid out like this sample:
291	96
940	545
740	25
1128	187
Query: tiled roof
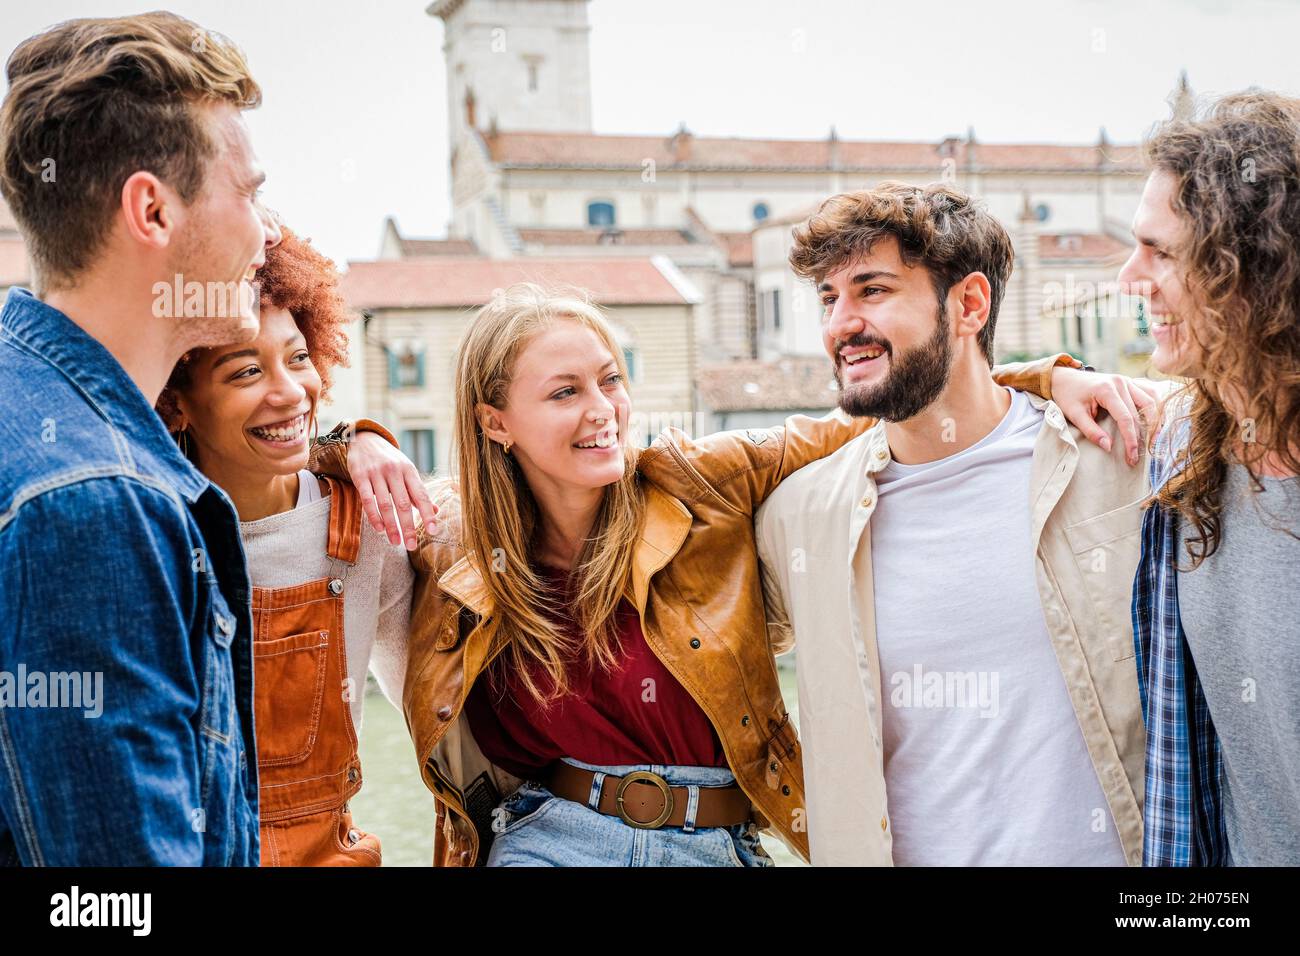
788	383
438	247
7	223
14	268
445	281
606	236
739	246
597	150
1087	245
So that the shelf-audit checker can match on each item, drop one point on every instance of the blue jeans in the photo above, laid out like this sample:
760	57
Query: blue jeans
534	827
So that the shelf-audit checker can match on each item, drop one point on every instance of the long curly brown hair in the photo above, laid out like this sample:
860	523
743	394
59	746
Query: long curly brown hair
1237	189
304	282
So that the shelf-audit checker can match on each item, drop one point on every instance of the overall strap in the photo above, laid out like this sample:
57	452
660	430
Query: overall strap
345	521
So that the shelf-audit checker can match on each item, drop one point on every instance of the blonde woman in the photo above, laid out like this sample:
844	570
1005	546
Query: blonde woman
590	680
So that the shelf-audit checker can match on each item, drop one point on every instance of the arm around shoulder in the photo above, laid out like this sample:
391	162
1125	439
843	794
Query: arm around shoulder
741	467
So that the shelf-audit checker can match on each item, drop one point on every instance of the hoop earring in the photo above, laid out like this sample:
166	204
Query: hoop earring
505	446
183	442
312	440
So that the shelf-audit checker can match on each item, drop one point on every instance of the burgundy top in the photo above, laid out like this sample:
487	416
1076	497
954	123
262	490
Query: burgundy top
636	714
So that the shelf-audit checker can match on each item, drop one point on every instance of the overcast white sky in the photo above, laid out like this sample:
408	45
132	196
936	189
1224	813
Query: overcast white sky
353	127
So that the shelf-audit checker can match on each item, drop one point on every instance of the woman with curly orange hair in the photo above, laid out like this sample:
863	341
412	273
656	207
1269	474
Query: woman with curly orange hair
331	596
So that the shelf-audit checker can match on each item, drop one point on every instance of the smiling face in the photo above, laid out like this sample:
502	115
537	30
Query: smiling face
888	337
249	407
1153	271
223	237
566	411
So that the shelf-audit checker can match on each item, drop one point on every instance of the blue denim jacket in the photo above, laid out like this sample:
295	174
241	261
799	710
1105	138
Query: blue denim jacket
120	564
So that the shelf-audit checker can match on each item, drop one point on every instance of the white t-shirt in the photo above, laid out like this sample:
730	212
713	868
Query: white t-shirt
308	488
985	763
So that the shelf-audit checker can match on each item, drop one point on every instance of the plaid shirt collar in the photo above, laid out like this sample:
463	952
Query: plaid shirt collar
1183	810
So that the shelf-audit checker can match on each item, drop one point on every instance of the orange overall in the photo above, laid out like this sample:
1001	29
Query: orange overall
306	745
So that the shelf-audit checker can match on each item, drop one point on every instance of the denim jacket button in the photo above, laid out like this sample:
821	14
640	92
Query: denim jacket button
224	624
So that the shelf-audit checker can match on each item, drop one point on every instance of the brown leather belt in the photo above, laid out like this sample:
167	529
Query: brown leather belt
646	801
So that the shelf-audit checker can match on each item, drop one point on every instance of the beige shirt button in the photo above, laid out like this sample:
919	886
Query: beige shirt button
882	454
868	501
883	824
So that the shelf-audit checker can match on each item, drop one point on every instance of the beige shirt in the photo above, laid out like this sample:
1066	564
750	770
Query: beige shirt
814	542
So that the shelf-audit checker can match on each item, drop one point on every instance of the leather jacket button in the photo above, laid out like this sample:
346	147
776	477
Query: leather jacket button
336	586
785	791
773	766
695	643
444	712
354	837
352	774
744	721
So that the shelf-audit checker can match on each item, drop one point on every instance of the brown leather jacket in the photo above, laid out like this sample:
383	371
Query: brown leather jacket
696	586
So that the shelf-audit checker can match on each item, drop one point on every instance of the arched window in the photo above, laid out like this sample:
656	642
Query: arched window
600	213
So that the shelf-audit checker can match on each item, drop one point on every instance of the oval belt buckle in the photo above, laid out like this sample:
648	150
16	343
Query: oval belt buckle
637	776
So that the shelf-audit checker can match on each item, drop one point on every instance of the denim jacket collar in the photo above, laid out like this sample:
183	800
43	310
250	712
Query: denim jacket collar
47	333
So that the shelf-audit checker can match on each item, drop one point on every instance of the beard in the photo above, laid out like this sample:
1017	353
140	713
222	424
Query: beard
234	307
916	378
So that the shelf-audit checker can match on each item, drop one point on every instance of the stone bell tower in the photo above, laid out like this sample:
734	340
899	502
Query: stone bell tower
517	65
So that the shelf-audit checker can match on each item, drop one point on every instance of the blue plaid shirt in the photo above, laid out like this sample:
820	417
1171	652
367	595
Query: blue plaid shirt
1183	810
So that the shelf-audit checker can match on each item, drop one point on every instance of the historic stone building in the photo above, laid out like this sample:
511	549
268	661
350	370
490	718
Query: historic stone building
531	178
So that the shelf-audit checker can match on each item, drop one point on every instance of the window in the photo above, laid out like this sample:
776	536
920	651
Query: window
1143	327
760	211
417	445
772	310
532	74
406	365
630	359
1101	332
600	213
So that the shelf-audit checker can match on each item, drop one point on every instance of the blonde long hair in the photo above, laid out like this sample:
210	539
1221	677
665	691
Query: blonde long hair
500	516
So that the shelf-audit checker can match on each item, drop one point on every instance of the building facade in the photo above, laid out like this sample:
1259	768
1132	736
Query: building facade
540	182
